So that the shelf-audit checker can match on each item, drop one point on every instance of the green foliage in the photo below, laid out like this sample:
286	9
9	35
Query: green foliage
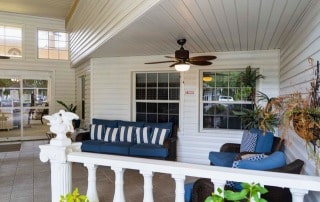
249	191
68	108
74	197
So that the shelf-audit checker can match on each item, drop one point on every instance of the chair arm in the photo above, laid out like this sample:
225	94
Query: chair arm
83	136
230	147
171	144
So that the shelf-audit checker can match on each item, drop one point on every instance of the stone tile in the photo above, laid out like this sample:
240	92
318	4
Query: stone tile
22	199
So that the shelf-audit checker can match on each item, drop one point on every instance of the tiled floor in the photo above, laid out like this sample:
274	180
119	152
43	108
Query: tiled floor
23	177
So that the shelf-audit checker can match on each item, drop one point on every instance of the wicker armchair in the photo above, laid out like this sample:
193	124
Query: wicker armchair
203	187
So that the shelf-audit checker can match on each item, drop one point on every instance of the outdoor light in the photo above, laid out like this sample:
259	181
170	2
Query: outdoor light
182	67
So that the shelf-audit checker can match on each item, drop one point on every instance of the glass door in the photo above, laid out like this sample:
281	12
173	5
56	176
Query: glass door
23	103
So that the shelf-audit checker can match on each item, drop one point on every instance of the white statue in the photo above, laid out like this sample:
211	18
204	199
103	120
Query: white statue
61	123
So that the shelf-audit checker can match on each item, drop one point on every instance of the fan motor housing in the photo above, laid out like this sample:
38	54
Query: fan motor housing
182	54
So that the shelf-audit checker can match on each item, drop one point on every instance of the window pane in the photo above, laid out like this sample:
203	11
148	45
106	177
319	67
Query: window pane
152	80
218	102
56	42
163	94
163	80
11	41
156	89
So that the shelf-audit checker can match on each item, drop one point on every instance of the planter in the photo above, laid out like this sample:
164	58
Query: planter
304	126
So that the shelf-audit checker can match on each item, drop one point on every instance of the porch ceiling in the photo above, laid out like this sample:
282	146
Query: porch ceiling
208	26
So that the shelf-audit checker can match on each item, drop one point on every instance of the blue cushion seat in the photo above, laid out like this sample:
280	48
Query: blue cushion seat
224	159
149	150
121	148
91	146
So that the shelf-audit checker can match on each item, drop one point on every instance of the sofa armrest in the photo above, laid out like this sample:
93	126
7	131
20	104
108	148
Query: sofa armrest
83	136
171	144
230	147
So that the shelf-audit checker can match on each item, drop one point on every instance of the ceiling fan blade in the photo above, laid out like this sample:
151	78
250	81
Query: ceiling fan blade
169	57
4	57
200	63
174	64
160	62
203	57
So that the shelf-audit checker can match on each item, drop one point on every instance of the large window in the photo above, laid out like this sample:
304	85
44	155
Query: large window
53	45
157	97
10	41
222	94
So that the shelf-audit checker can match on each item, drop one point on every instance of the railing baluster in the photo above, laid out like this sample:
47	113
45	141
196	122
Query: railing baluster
179	179
218	184
148	187
298	194
118	190
92	193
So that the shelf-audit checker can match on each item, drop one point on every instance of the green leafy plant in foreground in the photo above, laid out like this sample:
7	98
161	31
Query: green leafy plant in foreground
75	196
250	193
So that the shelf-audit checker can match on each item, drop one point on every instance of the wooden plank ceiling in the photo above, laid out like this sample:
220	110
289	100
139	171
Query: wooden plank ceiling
208	26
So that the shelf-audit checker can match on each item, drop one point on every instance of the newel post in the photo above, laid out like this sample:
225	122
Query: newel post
61	169
57	151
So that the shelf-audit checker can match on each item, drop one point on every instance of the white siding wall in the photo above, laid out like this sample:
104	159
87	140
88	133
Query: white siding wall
296	73
112	89
63	79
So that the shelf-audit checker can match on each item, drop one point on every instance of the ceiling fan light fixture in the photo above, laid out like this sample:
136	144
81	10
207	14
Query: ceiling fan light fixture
182	67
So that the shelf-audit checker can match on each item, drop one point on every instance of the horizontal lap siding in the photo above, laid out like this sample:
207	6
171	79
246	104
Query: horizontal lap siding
112	93
296	74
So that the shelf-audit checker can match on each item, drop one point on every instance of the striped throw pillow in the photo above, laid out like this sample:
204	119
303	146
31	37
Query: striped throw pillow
159	135
96	132
143	134
111	134
126	134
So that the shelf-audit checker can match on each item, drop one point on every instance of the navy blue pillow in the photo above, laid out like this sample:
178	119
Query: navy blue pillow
111	134
264	141
130	123
165	125
127	133
143	134
97	132
159	135
105	122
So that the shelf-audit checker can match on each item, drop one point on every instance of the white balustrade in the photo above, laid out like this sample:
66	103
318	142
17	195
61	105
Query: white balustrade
60	158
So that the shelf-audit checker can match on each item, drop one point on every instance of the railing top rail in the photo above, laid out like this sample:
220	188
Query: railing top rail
303	182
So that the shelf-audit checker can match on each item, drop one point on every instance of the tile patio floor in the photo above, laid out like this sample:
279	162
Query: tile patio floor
23	177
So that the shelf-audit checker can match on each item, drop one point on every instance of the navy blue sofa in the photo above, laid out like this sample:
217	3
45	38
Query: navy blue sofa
138	139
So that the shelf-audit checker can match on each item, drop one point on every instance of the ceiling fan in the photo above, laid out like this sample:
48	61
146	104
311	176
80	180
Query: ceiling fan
4	57
182	61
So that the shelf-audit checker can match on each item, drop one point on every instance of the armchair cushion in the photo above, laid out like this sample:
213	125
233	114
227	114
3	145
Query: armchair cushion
248	142
224	159
264	141
275	160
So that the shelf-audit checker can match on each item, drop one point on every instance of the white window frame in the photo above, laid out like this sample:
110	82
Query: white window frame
22	41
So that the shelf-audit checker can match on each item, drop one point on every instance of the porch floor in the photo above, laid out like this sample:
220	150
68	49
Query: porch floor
25	178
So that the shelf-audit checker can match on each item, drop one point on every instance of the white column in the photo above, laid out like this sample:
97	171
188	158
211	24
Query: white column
118	190
179	179
298	194
61	169
148	187
92	193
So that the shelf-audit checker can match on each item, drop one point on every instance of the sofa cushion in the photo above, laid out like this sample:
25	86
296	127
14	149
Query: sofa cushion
130	123
159	135
165	125
91	146
121	148
111	135
143	134
105	122
248	141
148	150
275	160
96	132
127	134
264	141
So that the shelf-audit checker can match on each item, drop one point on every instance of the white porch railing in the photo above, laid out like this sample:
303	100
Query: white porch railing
61	158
